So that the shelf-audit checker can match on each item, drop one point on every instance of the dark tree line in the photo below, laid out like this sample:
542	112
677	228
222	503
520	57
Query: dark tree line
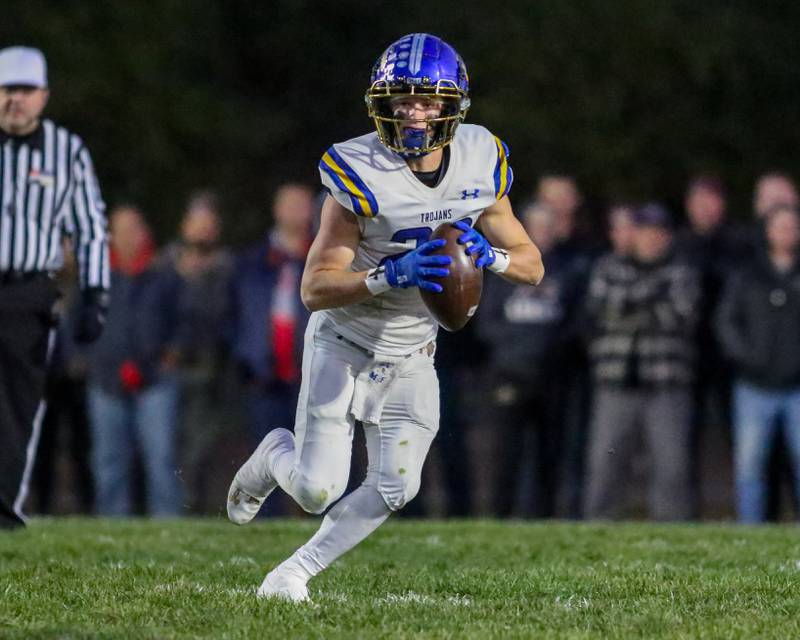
631	96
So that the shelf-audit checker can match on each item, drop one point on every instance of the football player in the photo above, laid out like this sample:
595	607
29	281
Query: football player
368	353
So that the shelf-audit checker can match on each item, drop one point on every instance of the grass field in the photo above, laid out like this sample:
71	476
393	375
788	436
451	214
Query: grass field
80	578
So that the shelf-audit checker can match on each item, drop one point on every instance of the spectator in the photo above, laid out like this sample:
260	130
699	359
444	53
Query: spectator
715	248
621	229
133	393
269	318
621	232
774	188
709	241
758	323
561	195
571	245
643	312
205	270
526	329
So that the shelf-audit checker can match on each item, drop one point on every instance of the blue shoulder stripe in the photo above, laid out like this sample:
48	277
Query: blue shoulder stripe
362	186
342	174
323	165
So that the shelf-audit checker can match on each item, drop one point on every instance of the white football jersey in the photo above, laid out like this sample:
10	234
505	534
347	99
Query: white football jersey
397	212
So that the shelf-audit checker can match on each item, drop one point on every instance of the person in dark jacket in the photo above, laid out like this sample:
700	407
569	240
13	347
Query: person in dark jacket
205	268
268	318
758	325
715	247
642	313
133	393
575	242
527	330
772	188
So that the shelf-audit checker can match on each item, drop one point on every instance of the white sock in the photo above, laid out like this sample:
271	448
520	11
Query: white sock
350	520
281	466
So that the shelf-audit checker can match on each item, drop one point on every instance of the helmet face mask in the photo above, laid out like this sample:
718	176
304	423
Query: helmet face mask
418	69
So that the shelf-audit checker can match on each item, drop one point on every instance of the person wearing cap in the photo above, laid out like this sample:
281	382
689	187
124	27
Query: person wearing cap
48	189
642	312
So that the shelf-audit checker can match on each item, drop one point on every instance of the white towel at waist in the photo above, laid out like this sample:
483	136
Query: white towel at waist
373	384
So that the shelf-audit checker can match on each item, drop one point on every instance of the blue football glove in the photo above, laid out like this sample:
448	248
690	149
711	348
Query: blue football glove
476	244
412	269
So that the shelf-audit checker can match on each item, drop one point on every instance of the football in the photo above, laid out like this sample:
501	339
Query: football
461	294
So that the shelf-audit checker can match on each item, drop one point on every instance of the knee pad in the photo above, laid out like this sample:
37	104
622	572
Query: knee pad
314	496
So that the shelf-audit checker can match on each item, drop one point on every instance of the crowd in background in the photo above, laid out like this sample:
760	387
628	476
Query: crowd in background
561	400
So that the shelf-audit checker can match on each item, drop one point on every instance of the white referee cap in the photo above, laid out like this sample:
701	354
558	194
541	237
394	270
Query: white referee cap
22	66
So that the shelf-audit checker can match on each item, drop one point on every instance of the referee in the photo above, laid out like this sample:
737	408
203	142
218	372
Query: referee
47	188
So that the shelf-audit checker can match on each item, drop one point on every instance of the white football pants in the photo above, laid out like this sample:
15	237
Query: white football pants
315	474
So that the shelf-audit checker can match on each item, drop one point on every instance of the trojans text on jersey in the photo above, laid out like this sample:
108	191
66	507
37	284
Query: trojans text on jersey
433	216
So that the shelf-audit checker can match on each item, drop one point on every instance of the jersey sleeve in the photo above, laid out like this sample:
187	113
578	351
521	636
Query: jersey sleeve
88	223
345	185
503	175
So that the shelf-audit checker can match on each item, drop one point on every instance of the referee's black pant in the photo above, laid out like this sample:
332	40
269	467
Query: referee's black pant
26	325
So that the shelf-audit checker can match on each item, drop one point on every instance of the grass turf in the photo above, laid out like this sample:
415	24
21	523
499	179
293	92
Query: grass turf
84	578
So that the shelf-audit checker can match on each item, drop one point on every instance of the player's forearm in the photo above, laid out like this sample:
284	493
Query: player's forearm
330	288
525	265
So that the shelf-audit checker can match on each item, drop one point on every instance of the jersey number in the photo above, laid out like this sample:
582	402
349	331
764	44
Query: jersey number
420	235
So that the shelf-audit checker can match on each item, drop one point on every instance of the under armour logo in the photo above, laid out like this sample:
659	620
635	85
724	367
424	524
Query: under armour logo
470	194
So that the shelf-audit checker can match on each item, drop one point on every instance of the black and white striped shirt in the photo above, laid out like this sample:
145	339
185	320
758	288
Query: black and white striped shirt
48	188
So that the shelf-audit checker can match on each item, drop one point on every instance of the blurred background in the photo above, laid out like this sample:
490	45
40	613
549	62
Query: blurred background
206	121
241	96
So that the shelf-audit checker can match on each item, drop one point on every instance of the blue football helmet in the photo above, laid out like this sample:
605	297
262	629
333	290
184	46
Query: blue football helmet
418	64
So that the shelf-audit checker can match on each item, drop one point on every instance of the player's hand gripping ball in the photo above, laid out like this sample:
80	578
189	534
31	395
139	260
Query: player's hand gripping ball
415	268
461	289
476	244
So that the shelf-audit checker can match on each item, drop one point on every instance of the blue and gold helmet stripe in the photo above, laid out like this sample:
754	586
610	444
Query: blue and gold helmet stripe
364	202
503	175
